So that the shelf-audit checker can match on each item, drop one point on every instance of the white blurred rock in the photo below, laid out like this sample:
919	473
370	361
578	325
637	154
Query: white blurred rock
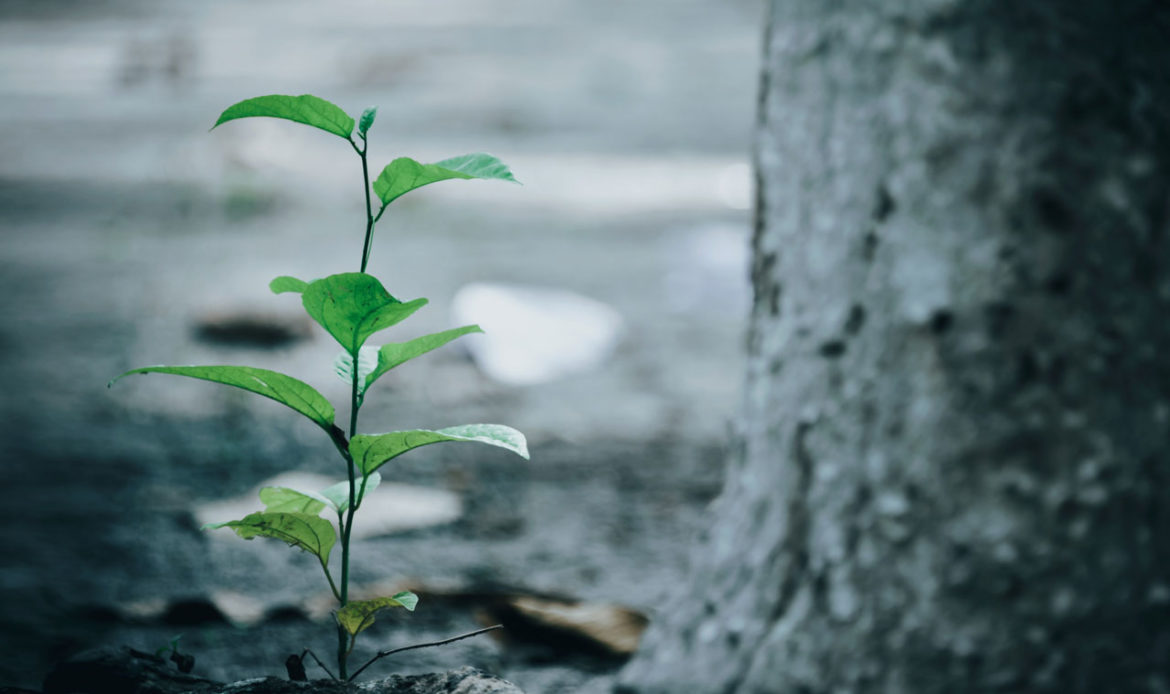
388	509
534	335
708	269
393	508
239	609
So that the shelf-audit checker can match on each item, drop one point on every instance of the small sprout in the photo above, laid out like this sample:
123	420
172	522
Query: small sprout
184	661
351	307
367	120
171	646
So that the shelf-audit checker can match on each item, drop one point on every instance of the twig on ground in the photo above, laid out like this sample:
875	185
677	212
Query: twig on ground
301	660
444	642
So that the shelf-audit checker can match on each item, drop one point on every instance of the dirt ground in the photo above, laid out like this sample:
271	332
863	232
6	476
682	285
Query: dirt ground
124	225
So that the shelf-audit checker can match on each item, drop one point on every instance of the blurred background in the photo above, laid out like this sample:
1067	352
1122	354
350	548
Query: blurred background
614	282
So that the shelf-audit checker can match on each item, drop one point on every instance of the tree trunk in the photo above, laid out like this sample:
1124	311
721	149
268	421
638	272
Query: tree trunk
953	473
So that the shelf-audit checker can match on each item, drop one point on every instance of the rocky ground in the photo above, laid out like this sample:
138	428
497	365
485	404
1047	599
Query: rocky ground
130	236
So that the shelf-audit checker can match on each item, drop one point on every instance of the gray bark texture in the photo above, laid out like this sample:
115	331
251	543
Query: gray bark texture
953	469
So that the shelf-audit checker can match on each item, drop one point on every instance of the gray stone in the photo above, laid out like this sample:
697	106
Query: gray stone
122	670
128	671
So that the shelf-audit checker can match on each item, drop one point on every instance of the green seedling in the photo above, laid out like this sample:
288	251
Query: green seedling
352	307
184	661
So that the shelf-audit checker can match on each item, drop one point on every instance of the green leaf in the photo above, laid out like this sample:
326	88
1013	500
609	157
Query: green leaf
351	306
310	533
367	362
306	108
338	494
405	174
358	616
286	390
172	645
284	283
283	499
372	452
396	353
367	120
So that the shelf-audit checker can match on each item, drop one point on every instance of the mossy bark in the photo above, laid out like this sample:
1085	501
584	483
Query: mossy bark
953	469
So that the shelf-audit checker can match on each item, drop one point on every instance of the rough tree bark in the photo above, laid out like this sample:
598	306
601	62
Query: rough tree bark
953	473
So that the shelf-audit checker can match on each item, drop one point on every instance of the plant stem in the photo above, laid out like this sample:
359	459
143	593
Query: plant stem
329	577
344	645
343	649
355	403
319	663
367	246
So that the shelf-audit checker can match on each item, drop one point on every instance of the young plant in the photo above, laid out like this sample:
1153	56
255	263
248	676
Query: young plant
184	661
351	307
